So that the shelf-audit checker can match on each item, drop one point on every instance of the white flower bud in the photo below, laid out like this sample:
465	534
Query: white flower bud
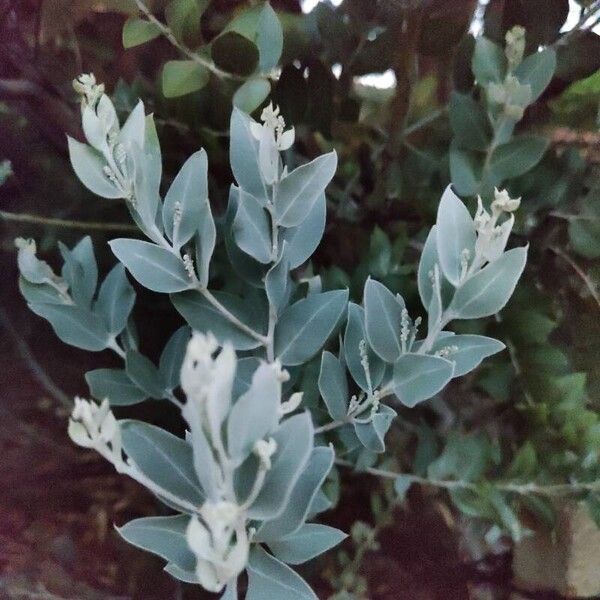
264	450
292	404
220	544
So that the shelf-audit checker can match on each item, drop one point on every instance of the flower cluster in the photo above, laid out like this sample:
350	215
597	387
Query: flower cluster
94	426
272	139
491	236
511	94
102	131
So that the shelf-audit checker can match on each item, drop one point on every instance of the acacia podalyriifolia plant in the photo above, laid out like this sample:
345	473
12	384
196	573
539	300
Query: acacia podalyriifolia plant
247	478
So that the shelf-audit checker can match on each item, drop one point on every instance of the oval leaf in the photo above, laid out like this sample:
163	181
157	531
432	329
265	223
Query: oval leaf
306	325
418	377
154	267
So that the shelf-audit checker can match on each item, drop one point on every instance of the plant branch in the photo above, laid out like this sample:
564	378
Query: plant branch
231	317
197	58
65	223
582	274
522	489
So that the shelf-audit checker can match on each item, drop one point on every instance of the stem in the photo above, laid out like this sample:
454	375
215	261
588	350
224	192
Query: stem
113	345
38	371
231	317
580	272
131	470
432	335
197	58
424	121
274	255
553	490
162	241
331	426
66	223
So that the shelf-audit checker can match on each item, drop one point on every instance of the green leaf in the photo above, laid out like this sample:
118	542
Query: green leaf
144	374
115	385
269	38
294	439
243	155
138	31
489	62
383	318
115	300
486	292
305	326
201	315
255	415
537	71
172	356
310	541
163	536
402	484
277	281
516	157
251	228
183	18
465	170
465	457
469	122
84	277
302	241
297	193
270	578
182	575
39	293
234	53
251	94
75	325
429	258
187	197
372	434
584	236
301	499
88	165
164	458
455	233
507	515
333	386
418	377
354	334
154	267
593	504
468	350
182	77
205	241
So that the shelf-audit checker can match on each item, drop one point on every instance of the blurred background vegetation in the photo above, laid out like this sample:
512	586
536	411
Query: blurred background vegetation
401	89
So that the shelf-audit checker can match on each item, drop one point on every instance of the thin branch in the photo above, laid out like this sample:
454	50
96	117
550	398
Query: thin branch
65	223
232	318
35	367
197	58
423	122
522	489
582	274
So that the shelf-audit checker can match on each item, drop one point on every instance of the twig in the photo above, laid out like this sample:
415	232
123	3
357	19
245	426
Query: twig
65	223
197	58
584	277
423	122
523	489
33	364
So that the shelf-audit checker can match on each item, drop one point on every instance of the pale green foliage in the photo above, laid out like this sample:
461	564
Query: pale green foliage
247	476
